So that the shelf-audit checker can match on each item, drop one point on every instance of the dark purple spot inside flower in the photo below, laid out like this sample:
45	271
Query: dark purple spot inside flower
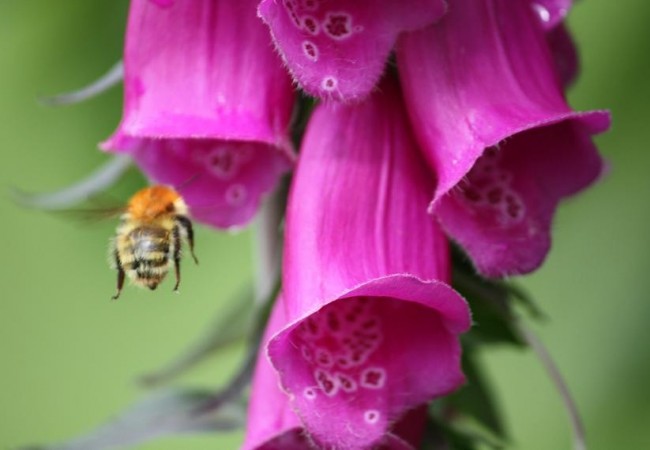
514	210
338	25
223	162
471	194
495	195
333	322
324	358
346	383
329	83
325	382
373	378
310	50
236	194
310	24
312	326
371	416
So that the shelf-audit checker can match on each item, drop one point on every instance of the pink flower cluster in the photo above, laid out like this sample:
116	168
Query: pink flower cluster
465	135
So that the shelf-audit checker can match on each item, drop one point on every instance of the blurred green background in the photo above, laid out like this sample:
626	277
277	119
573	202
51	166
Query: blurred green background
70	356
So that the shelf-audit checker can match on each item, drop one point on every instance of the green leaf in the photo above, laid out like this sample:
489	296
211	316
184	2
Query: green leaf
111	78
97	182
166	413
491	309
475	398
492	303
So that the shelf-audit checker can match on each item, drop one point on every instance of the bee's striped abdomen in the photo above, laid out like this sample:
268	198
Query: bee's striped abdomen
144	254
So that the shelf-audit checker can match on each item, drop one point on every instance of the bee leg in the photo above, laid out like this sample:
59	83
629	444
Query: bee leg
186	226
176	236
120	276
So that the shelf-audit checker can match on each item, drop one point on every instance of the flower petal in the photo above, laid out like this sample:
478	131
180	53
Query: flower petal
213	85
337	49
273	425
372	327
459	108
501	213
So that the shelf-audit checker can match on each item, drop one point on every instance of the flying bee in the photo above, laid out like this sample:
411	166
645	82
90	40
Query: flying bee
149	238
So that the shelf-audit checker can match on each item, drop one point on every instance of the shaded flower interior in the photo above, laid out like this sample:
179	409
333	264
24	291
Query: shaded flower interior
489	187
502	211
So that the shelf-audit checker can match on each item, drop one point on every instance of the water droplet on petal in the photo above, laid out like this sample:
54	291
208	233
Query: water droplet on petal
543	13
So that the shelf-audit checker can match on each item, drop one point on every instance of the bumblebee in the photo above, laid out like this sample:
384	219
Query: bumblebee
149	238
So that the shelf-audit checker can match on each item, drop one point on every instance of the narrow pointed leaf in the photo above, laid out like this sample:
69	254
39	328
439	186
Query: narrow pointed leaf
97	182
475	398
102	84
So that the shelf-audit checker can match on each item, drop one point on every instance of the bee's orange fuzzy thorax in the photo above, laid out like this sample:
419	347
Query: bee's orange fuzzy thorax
152	202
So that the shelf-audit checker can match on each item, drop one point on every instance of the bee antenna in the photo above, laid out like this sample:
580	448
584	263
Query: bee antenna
188	182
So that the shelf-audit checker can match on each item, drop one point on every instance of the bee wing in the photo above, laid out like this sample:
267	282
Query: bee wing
89	216
98	181
97	209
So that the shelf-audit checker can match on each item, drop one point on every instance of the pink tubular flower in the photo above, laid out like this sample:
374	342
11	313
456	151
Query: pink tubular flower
338	48
273	425
371	325
207	104
488	109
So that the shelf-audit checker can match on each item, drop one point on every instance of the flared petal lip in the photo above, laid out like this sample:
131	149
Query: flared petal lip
595	122
454	313
406	287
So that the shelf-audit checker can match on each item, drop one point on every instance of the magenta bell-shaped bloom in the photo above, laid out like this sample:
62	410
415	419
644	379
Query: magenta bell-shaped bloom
371	326
207	104
273	425
338	48
487	106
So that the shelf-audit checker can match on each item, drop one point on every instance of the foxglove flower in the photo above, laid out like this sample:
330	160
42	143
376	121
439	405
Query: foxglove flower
338	48
273	425
489	112
371	325
207	104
